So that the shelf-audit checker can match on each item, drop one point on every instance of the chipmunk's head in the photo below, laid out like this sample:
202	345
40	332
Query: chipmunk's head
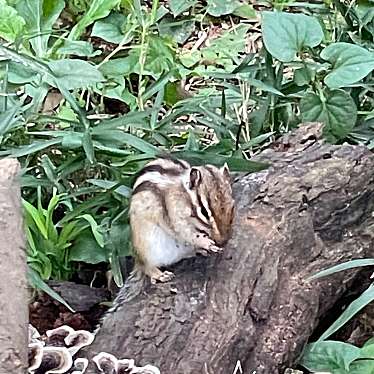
214	198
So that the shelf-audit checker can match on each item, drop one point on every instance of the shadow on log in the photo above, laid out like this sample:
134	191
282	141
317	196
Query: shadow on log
311	209
13	284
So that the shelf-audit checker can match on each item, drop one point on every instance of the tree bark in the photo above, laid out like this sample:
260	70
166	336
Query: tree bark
312	208
13	284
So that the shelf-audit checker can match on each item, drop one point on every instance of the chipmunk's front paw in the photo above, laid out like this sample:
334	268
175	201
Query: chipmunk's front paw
162	277
211	249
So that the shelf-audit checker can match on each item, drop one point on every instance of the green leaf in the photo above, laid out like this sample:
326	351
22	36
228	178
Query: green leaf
234	163
25	150
77	48
110	29
353	308
132	141
86	249
179	6
36	282
11	23
345	266
329	355
8	120
245	11
107	185
367	351
217	8
350	63
88	146
37	218
95	229
361	367
40	16
335	108
286	34
179	30
98	9
75	73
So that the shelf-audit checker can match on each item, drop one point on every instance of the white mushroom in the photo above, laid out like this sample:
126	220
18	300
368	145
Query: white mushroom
35	354
55	360
80	365
78	339
56	337
106	362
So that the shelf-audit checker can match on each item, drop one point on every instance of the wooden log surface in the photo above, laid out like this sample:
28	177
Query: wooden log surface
312	208
13	284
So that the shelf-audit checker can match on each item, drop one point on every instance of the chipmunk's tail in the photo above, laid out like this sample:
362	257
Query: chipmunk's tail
133	286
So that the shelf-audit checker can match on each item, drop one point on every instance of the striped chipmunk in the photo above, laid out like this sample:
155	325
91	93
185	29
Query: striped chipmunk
176	211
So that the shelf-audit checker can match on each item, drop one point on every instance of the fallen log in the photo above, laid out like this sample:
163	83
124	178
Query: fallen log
13	284
253	303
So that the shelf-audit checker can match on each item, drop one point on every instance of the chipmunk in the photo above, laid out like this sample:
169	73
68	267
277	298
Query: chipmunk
176	211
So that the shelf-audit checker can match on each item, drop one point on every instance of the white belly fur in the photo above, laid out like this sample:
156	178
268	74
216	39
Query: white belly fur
165	250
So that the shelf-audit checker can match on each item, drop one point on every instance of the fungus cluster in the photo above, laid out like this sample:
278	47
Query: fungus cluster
54	353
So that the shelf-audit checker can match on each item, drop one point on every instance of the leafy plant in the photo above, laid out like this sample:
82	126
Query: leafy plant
180	79
48	247
339	358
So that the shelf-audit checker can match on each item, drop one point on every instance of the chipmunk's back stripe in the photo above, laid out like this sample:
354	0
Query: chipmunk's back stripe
159	169
181	163
150	186
146	186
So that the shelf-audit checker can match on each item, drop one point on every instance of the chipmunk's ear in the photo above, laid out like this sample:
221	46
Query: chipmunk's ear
195	177
225	170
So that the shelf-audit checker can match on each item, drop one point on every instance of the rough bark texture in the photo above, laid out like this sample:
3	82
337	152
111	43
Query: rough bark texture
13	284
311	209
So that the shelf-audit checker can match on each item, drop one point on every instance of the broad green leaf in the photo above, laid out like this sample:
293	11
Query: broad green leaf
110	29
335	108
119	66
11	23
86	249
367	351
361	367
36	282
179	30
245	11
353	308
40	15
179	6
98	9
345	266
217	8
350	63
77	48
329	356
75	73
286	34
107	185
